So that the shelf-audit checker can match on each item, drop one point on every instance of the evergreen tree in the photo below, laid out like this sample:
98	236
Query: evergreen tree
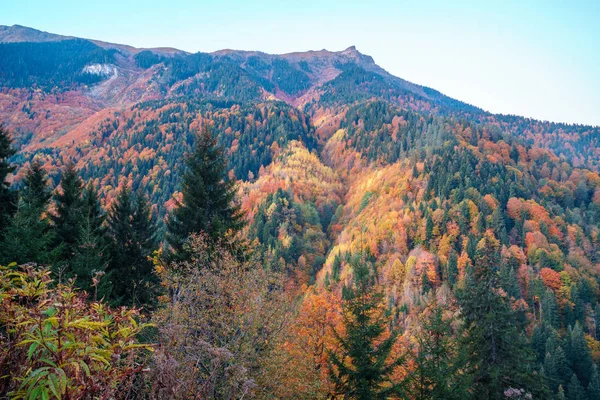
28	237
68	218
7	198
574	390
560	395
368	373
593	388
556	368
132	230
91	252
579	354
439	362
207	204
499	357
428	229
90	205
36	193
550	309
452	268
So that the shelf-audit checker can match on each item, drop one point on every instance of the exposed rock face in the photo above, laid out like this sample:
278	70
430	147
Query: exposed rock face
100	69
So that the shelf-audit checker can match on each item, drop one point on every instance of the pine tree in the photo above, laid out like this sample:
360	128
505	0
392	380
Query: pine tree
132	230
207	204
91	252
574	390
560	394
452	268
439	362
68	219
28	237
145	281
579	354
499	357
557	368
368	373
550	309
593	388
7	198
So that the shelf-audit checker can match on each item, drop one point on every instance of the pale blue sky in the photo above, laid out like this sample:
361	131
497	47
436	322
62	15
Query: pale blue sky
539	59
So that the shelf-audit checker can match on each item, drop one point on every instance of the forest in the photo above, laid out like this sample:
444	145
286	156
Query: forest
299	226
242	295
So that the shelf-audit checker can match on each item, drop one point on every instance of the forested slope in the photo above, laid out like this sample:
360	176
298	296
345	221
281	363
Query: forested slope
338	165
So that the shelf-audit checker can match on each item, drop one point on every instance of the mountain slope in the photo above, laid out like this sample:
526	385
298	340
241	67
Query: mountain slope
336	160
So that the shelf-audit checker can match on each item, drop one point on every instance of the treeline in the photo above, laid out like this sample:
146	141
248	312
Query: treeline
67	229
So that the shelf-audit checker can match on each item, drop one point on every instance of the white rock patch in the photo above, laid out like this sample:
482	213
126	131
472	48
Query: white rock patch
100	69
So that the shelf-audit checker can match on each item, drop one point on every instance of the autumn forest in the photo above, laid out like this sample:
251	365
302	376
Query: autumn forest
238	224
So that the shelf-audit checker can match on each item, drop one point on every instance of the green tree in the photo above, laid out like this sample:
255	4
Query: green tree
28	237
68	217
7	198
452	268
574	390
499	356
362	367
91	252
593	388
133	234
439	361
556	368
560	395
579	354
208	198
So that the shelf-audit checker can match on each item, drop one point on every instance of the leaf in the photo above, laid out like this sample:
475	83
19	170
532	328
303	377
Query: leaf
51	312
85	367
32	349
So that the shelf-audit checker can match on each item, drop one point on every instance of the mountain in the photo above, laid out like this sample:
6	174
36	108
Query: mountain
335	158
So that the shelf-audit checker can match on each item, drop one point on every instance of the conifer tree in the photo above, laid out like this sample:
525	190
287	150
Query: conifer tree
579	354
550	309
368	373
560	395
593	388
452	268
556	368
132	230
28	237
91	252
574	390
499	357
7	198
439	362
68	218
208	195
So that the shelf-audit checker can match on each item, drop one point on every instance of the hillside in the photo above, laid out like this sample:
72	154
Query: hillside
333	157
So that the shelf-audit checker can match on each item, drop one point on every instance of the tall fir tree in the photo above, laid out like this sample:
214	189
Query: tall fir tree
575	390
499	356
68	217
133	235
208	197
579	354
91	252
28	238
593	388
368	373
439	361
8	198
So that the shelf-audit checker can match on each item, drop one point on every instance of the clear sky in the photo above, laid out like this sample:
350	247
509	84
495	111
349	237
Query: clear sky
539	59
